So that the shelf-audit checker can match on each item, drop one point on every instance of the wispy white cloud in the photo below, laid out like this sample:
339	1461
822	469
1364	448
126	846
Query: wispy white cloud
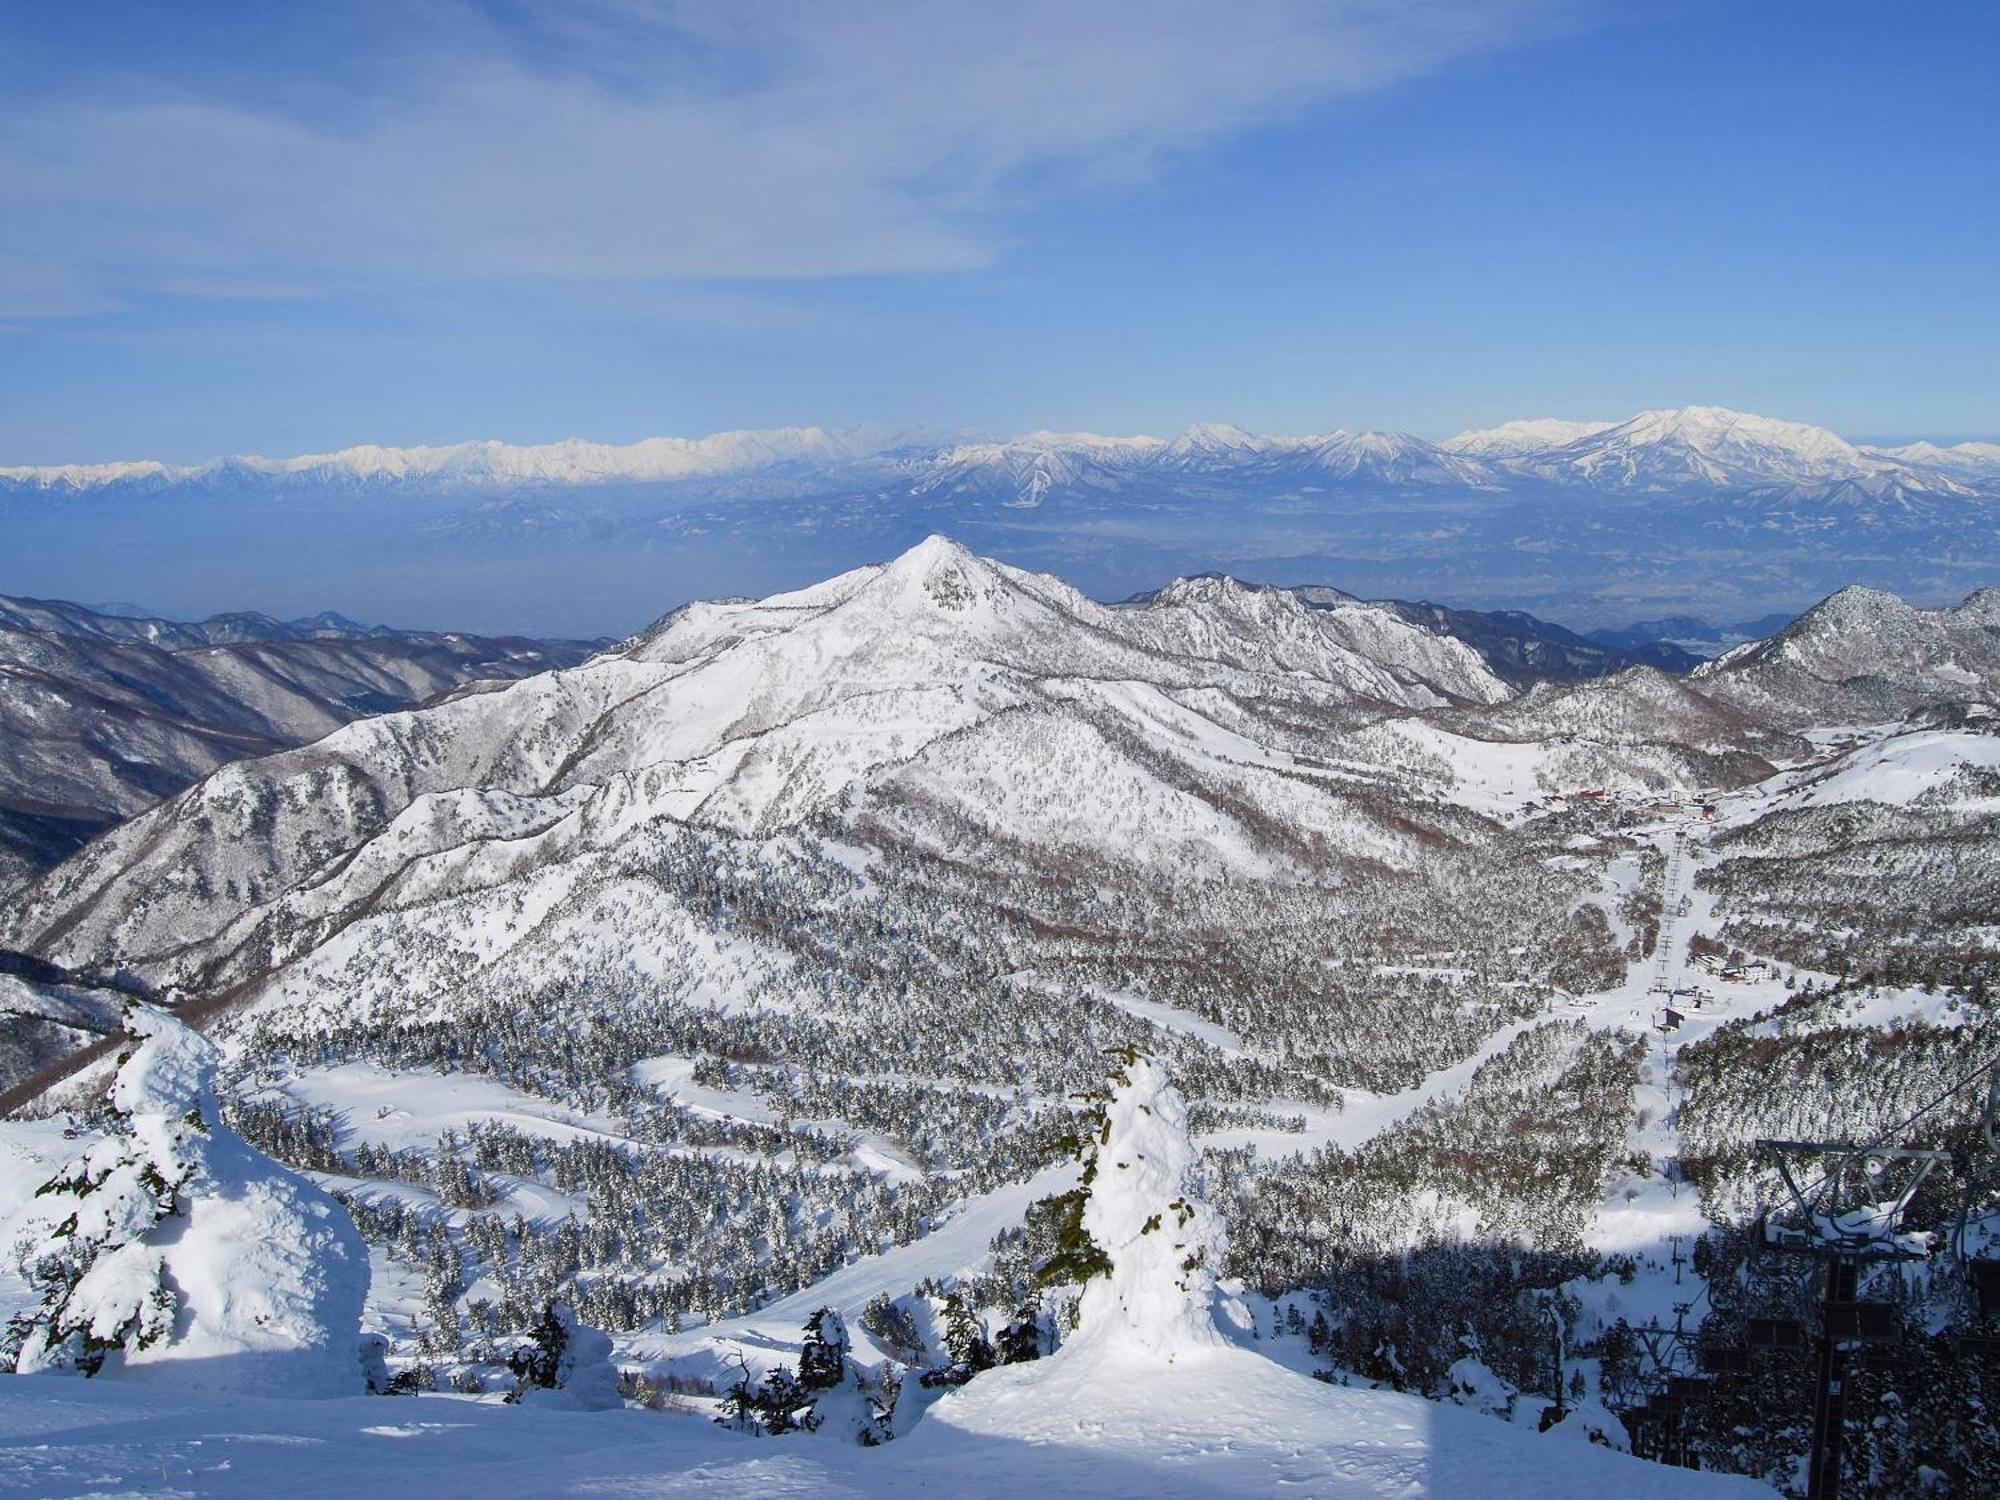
633	141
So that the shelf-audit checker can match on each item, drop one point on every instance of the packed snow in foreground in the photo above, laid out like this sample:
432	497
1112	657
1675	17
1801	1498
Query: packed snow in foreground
1153	1396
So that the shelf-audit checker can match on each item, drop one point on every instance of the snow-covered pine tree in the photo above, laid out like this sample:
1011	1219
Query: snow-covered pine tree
967	1349
773	1406
172	1249
1021	1339
566	1363
823	1357
1162	1243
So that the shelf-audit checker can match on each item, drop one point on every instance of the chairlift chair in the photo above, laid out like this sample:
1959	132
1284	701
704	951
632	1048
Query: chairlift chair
1723	1359
1864	1322
1986	1284
1777	1333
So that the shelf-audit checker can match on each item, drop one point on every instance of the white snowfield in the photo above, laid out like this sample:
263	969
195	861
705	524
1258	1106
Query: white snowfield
1900	770
1153	1398
1225	1422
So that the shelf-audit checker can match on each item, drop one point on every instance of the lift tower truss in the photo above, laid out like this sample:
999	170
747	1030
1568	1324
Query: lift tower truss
1876	1185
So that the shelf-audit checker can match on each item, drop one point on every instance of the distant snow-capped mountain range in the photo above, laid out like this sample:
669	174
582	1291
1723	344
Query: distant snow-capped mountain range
1701	512
1656	449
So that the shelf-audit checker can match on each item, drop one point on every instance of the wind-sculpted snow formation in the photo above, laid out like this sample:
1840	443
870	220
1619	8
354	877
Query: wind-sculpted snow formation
1144	1210
172	1251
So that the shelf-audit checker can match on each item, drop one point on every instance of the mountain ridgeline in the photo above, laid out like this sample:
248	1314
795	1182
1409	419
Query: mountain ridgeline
701	972
1698	511
101	714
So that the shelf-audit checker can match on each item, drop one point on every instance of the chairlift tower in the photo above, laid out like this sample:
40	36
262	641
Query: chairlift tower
1845	1241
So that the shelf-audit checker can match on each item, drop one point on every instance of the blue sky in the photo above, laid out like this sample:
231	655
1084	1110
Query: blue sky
281	229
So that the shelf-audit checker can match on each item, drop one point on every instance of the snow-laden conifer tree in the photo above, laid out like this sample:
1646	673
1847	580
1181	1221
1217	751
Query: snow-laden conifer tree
567	1364
823	1356
172	1249
1163	1242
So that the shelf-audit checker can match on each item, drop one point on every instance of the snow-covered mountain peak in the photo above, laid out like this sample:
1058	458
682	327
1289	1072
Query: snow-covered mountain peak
1521	437
938	573
1396	458
1219	438
92	476
1973	461
1368	649
1847	620
1709	446
1982	606
936	583
1862	655
1205	588
1711	428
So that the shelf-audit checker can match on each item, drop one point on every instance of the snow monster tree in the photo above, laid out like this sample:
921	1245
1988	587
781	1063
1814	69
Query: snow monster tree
1150	1246
171	1249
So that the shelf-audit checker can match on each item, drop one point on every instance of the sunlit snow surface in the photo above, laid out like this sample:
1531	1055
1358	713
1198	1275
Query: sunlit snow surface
1090	1423
1230	1419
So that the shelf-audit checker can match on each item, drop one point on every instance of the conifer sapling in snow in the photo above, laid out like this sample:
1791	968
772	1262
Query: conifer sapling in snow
1021	1339
966	1347
567	1363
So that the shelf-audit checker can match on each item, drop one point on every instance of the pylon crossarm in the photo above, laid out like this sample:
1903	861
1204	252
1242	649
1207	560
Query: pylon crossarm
1781	1153
1863	1235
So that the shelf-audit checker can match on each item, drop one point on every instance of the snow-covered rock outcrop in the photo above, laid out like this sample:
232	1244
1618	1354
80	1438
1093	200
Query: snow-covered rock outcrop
171	1250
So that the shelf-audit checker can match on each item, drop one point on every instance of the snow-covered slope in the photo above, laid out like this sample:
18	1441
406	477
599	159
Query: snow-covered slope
1233	1424
751	718
1154	1396
1924	766
102	715
1862	655
752	967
